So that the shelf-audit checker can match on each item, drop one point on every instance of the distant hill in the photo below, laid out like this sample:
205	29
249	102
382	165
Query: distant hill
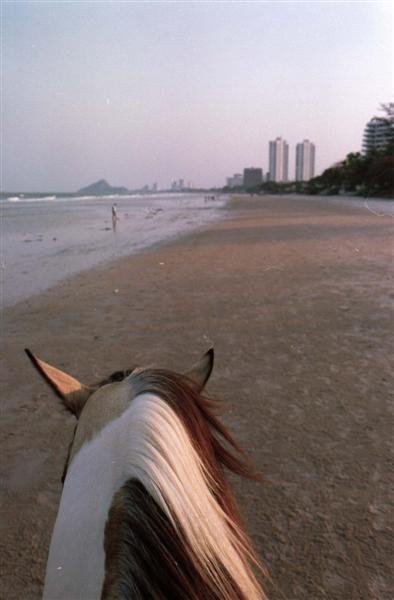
102	188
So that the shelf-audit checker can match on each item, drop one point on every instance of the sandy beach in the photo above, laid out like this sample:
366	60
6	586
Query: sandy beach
296	297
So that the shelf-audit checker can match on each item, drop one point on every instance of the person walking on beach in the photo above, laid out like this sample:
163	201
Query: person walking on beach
114	216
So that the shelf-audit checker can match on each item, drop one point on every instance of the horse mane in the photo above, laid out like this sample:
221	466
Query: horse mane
173	530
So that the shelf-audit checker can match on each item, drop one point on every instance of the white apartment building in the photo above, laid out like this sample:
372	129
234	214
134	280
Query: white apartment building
378	133
305	161
278	160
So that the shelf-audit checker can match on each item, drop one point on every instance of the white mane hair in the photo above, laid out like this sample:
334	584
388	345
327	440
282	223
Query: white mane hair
148	442
166	463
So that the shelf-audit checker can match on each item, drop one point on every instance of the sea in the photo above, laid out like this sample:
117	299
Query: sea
47	239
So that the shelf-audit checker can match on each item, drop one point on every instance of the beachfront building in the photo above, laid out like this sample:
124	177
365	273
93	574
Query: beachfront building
378	133
278	160
236	180
252	177
305	161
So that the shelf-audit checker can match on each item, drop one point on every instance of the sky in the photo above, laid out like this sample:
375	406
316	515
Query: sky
144	92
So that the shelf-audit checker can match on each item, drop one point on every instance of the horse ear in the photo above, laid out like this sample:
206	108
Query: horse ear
202	370
73	393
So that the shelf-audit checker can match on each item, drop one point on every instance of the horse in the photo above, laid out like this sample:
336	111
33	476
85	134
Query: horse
146	511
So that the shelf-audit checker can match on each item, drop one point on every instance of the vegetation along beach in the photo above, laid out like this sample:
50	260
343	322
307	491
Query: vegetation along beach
295	295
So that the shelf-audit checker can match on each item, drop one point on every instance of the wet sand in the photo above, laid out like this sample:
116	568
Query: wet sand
297	300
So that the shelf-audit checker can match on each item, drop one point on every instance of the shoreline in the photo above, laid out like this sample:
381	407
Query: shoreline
234	202
297	305
85	237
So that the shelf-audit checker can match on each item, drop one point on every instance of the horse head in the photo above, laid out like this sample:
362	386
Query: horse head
146	510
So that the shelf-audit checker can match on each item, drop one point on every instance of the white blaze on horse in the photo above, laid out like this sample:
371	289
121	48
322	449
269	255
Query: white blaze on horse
146	511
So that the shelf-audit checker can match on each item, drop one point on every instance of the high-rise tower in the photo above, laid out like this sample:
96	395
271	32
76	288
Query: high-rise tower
378	134
305	161
278	160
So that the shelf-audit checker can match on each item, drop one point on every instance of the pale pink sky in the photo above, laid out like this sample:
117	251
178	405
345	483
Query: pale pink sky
144	92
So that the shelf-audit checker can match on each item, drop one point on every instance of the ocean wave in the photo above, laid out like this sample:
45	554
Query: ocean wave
23	199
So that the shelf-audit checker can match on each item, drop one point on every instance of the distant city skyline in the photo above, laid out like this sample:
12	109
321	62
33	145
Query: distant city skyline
148	92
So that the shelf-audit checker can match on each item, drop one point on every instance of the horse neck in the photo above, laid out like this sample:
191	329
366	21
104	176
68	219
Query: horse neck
149	443
75	567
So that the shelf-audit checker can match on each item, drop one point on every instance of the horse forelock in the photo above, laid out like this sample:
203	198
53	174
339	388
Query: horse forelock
116	376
